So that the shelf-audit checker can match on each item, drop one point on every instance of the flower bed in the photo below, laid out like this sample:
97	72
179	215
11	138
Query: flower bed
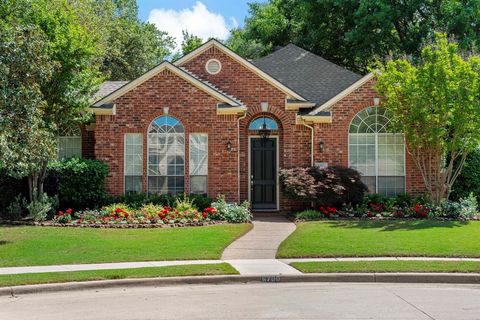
402	207
182	213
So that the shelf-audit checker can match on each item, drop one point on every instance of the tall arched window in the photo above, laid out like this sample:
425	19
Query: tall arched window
377	152
166	156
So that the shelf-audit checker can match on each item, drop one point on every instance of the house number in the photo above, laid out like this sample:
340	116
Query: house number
271	278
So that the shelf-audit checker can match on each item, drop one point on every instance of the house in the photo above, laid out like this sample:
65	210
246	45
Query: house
215	123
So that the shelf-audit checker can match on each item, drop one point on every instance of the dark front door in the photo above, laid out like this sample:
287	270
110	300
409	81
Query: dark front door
263	173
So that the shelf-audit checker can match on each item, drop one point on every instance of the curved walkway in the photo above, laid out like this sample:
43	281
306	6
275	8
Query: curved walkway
262	241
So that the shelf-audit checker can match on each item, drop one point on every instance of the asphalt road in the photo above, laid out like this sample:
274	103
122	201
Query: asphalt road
253	301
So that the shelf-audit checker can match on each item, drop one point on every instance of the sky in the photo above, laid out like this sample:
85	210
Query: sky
203	18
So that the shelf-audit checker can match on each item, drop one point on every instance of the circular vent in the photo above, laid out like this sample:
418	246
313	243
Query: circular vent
213	66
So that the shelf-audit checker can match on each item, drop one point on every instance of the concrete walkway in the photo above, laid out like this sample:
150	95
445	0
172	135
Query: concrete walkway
244	266
262	241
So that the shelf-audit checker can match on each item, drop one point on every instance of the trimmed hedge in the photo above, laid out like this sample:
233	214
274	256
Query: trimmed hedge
79	183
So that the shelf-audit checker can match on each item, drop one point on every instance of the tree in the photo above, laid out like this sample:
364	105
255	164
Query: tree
190	42
50	61
357	33
436	103
132	47
245	47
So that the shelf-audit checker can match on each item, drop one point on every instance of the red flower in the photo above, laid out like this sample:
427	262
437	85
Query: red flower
205	214
69	210
126	215
60	213
118	210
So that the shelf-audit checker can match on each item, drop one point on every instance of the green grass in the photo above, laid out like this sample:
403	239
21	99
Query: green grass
150	272
383	238
28	246
387	266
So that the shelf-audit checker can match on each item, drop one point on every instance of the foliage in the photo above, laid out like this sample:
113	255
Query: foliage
137	200
465	209
436	103
46	87
63	216
39	210
184	204
357	33
329	186
10	188
16	208
245	46
469	179
232	212
132	46
79	183
309	215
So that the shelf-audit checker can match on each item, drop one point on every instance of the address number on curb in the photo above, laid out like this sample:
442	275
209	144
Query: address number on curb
275	278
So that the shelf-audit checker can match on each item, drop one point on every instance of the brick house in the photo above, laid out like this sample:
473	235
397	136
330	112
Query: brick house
215	123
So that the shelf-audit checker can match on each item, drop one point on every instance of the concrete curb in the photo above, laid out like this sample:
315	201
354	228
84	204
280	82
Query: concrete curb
451	278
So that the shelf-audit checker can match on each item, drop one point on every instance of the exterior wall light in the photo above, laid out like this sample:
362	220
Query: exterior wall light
321	146
376	101
229	146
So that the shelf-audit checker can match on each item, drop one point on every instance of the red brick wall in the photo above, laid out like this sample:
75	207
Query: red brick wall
192	106
237	80
88	143
335	135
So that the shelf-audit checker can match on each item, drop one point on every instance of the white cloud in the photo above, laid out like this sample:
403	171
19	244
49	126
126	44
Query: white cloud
197	20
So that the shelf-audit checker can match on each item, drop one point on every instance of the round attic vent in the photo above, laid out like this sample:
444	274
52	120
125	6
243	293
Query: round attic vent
213	66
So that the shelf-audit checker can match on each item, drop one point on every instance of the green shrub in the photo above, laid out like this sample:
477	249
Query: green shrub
469	179
465	209
16	209
9	189
232	212
309	215
79	183
39	210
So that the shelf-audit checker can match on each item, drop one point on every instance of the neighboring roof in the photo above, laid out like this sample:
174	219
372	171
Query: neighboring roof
108	87
315	78
248	64
221	96
341	94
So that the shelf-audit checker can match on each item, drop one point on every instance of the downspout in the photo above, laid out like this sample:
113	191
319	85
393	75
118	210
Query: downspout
311	142
238	154
312	204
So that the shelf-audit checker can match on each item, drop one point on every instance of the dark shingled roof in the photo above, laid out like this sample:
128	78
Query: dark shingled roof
108	87
313	77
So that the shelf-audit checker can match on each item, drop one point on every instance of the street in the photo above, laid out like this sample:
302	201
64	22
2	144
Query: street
253	301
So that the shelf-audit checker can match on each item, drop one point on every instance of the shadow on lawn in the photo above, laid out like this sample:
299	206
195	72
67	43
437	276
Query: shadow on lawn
393	225
3	242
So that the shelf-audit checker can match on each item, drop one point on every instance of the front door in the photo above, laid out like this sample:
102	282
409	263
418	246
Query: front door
263	173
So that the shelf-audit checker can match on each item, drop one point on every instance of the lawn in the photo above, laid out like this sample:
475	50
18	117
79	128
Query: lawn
28	246
387	266
150	272
383	238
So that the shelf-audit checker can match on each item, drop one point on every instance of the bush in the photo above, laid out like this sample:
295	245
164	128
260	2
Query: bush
16	209
137	200
465	208
232	212
10	188
309	215
79	183
334	186
469	179
39	210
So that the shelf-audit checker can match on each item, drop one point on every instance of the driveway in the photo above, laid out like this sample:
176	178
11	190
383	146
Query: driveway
253	301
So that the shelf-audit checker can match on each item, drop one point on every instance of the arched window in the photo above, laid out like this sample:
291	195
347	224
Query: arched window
377	152
257	124
166	156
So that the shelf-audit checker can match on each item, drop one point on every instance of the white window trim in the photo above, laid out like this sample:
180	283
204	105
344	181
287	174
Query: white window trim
189	161
125	159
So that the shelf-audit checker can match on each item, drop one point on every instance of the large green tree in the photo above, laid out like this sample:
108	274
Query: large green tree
132	46
356	33
435	102
50	60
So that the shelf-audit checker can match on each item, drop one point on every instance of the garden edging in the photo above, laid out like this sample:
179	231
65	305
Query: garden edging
451	278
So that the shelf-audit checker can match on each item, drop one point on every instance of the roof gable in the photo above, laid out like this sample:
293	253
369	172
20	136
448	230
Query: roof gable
165	65
262	74
314	77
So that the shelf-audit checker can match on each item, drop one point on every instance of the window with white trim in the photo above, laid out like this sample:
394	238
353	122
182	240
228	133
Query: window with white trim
377	152
69	147
198	163
133	162
166	156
